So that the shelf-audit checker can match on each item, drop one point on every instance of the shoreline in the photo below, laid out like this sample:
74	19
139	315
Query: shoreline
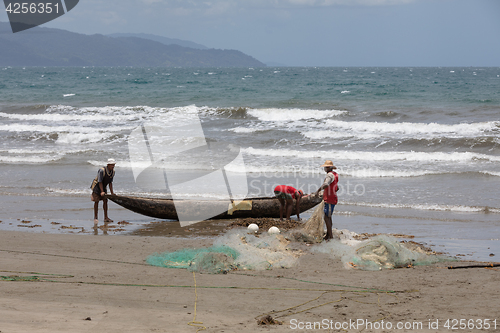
105	279
428	232
471	236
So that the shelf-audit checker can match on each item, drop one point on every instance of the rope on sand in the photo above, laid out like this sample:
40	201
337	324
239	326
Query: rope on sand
42	277
75	257
299	305
195	323
48	277
326	283
476	266
344	293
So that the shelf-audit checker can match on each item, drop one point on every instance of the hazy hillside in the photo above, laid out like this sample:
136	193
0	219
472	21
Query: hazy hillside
163	40
54	47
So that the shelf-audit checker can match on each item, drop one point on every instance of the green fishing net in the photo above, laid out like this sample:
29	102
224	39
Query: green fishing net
215	259
236	250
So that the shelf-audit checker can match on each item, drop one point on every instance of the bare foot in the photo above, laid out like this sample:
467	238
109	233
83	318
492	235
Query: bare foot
108	220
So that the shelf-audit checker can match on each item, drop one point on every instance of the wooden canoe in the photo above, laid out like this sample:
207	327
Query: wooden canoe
251	207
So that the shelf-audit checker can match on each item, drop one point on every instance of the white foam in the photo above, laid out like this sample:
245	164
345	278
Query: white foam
244	130
273	170
318	135
170	165
57	150
377	173
87	191
491	173
415	130
56	117
375	156
359	173
124	112
281	115
120	164
432	207
61	129
41	159
77	138
77	192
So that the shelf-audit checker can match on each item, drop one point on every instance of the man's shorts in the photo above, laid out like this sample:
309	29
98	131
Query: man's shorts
282	195
328	210
96	197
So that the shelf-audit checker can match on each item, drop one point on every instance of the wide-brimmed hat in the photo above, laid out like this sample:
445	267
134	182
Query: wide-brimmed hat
329	163
111	161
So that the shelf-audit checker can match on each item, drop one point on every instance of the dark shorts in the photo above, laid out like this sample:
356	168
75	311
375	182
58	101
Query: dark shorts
96	197
282	195
328	209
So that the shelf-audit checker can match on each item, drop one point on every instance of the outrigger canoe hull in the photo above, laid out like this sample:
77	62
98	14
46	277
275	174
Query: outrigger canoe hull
251	207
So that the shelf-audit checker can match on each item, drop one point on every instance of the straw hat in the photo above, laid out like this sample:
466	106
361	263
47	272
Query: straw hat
111	161
329	163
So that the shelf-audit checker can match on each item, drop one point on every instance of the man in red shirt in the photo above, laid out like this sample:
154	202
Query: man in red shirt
285	195
330	187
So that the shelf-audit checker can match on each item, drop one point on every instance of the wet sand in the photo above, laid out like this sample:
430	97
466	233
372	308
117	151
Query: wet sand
102	284
469	236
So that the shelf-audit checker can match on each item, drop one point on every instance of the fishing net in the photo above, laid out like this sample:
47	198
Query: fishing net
212	262
379	252
236	250
214	258
240	250
259	252
313	230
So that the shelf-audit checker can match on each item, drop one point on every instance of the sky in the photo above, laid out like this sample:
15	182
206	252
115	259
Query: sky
310	32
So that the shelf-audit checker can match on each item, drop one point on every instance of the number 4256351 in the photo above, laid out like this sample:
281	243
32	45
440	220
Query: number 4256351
471	324
32	8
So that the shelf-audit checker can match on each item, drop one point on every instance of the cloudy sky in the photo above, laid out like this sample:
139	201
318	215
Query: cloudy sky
311	32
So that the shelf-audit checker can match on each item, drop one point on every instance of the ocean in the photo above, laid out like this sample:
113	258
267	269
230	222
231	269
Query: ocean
417	149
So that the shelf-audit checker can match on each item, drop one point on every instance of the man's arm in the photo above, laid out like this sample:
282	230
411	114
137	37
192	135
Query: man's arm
326	183
111	188
102	189
100	177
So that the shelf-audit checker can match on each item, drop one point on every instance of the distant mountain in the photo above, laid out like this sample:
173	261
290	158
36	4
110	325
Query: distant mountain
55	47
164	40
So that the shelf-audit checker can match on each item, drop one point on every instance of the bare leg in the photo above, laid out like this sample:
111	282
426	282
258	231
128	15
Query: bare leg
289	206
282	205
96	209
328	222
105	207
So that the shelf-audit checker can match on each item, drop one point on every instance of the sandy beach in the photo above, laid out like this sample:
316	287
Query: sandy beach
416	149
86	283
